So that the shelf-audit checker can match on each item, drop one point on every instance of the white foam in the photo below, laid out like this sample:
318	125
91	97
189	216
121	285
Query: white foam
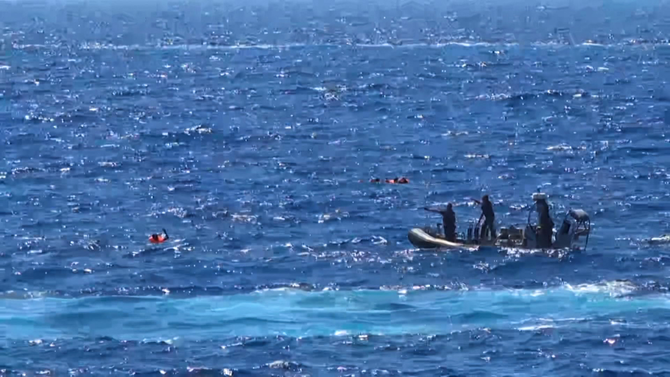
612	288
284	46
535	328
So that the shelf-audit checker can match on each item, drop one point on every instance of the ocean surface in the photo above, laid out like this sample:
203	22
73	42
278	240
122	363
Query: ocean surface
250	131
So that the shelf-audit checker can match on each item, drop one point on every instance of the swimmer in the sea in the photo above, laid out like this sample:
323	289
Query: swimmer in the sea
159	238
397	180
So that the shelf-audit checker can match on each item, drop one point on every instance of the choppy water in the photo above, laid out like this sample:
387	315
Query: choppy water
245	130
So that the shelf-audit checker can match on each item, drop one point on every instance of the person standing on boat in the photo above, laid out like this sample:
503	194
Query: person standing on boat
546	224
448	221
489	217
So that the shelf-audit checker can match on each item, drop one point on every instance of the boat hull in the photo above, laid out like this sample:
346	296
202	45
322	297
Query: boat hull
664	239
422	239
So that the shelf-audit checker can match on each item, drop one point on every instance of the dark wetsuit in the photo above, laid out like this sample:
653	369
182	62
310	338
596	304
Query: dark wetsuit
448	222
546	226
489	220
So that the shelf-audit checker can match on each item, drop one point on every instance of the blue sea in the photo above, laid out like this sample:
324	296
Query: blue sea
250	130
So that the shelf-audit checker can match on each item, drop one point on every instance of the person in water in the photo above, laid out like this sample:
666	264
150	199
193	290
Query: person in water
397	180
401	180
546	224
448	221
489	217
159	238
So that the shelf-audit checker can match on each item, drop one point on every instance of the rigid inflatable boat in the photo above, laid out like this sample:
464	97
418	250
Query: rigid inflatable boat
575	225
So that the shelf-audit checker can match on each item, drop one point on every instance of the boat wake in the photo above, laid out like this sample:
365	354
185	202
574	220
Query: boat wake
299	313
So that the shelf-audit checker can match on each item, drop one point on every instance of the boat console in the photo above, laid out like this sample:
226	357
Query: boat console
575	224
